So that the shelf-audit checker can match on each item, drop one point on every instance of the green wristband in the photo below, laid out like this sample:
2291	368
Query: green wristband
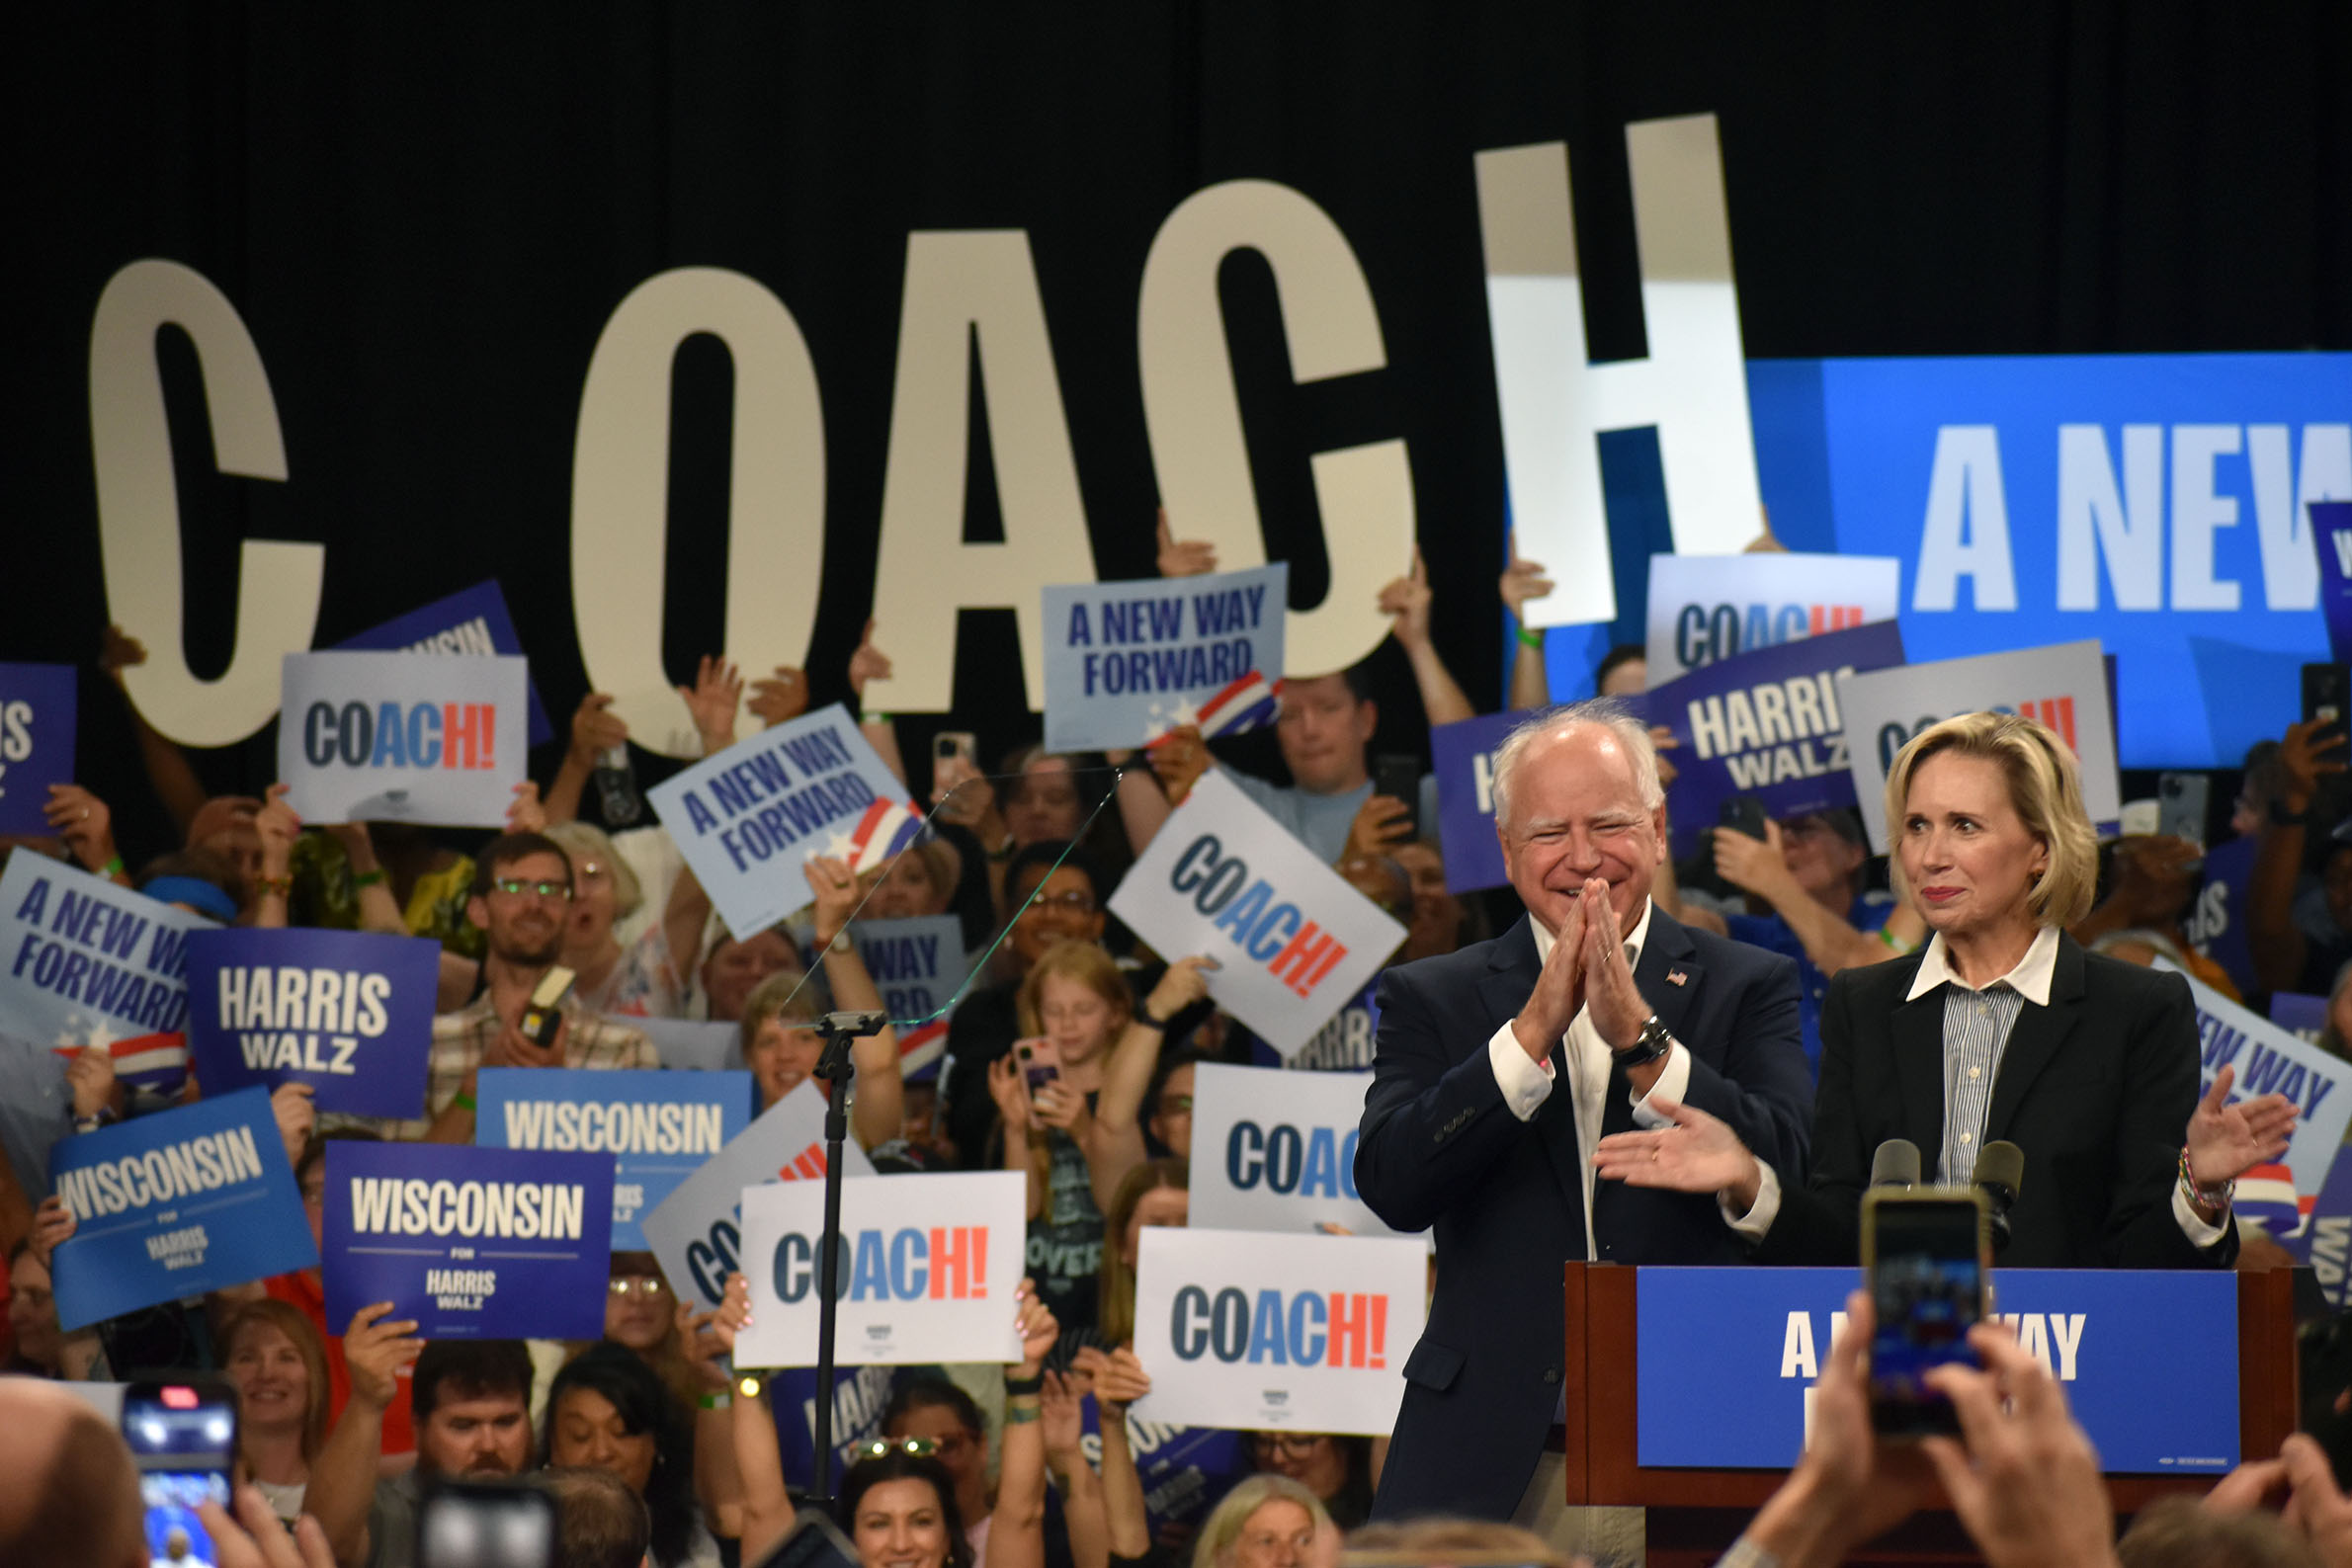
1530	637
1020	1415
464	1101
113	868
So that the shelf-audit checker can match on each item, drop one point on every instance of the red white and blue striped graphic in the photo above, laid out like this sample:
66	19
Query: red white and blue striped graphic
886	827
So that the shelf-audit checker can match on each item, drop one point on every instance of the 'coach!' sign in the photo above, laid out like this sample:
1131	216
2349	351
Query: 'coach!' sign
1276	1151
350	1013
402	737
1292	942
928	1270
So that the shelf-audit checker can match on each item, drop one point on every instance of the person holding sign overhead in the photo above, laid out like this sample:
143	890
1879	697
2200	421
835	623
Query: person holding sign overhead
1499	1068
2004	1029
782	1047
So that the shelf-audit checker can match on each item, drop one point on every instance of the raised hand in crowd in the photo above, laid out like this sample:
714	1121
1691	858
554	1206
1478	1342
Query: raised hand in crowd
878	1111
376	1347
867	663
278	827
90	1078
1020	1126
1179	759
2225	1141
1183	558
1407	602
2311	752
780	699
1118	1380
1061	1425
83	821
1383	825
595	730
1848	1487
2302	1482
1017	1526
296	1117
1118	1145
168	770
527	813
2022	1476
767	1505
1531	682
53	1225
711	700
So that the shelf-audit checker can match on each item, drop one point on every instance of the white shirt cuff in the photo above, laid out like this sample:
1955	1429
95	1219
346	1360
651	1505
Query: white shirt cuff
1674	1082
2194	1225
1524	1082
1767	1208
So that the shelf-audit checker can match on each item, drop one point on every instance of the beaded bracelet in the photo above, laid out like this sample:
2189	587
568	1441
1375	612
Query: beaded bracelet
2217	1197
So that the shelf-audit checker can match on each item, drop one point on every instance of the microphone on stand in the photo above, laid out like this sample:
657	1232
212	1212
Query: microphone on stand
1896	1163
2000	1171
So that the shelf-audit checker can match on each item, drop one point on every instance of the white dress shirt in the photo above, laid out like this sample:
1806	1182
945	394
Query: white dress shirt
1527	1083
1968	1086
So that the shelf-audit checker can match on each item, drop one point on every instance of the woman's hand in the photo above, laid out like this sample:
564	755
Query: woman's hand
711	700
781	697
734	1315
2225	1141
91	1077
526	814
1756	865
1012	1101
1382	823
83	821
278	827
961	795
2300	765
1118	1377
1057	1418
296	1117
867	663
1178	759
53	1225
1182	986
376	1348
1038	1329
706	1347
596	729
1522	581
1183	558
1065	1109
1698	1154
836	888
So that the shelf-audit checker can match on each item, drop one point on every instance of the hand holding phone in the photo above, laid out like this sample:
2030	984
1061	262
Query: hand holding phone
183	1438
1927	1261
1742	814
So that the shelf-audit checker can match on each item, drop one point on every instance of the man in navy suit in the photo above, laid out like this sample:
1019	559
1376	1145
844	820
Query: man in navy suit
1499	1067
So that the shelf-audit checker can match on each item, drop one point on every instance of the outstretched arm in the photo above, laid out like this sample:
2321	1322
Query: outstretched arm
879	1111
1531	684
1017	1529
343	1476
759	1457
1406	603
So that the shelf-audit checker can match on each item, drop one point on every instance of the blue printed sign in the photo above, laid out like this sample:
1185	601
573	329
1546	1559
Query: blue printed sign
1765	723
2304	1017
1461	761
2216	925
35	741
85	961
173	1204
383	737
748	818
471	621
919	964
659	1127
474	1244
2324	1240
350	1013
1128	662
1726	1356
2332	539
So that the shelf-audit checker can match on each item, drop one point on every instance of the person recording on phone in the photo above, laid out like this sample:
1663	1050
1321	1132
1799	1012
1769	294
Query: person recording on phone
1499	1067
2003	1030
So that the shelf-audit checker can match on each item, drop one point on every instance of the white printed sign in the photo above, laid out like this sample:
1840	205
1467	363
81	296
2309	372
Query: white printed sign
696	1232
748	818
929	1267
2063	686
403	737
1252	1331
1276	1151
1705	607
1293	940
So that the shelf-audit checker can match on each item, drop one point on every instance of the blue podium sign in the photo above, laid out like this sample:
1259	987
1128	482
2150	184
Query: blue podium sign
1728	1358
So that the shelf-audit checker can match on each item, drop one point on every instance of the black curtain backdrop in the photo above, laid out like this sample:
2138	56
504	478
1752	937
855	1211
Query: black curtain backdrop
427	214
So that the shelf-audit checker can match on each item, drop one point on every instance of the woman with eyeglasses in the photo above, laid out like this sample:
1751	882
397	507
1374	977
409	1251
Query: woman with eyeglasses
898	1499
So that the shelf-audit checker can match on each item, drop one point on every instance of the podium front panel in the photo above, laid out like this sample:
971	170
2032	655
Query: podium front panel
2149	1360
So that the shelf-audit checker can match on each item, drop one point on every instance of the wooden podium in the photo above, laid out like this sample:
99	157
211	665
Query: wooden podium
1694	1514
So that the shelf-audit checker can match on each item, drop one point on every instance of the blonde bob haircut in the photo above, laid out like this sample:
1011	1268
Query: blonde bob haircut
584	841
2045	791
1091	967
1219	1544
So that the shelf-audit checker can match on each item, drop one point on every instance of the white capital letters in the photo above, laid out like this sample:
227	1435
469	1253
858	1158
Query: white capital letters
2196	513
620	492
965	291
2282	518
1966	534
138	504
1192	414
1693	387
2128	528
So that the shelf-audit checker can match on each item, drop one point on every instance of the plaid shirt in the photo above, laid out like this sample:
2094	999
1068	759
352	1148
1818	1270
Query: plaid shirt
460	1038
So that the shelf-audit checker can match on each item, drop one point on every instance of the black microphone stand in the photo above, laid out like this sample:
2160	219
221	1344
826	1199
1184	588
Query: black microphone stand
837	1030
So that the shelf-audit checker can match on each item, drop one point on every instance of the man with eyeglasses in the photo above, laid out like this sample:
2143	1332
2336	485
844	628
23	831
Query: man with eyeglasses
522	893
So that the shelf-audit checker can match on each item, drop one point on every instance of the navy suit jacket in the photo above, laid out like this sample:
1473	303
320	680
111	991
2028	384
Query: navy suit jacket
1440	1149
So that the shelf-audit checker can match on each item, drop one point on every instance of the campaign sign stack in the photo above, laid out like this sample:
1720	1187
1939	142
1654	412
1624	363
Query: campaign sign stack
1128	662
748	819
36	718
1461	760
1764	723
1265	1332
350	1013
2063	688
471	621
1276	1151
85	961
174	1204
697	1233
1708	608
394	738
1728	1358
470	1243
1293	940
659	1127
930	1265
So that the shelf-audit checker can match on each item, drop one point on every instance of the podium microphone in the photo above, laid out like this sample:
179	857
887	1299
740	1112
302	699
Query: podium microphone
2000	1171
1896	1163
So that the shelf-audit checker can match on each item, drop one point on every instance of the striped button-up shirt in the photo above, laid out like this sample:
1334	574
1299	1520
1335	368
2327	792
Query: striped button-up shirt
1977	1023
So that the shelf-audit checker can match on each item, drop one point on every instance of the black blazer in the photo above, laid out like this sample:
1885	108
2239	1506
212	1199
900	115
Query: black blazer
2097	1089
1439	1147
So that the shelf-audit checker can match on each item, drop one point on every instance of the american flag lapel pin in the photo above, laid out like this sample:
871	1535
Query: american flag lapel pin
1676	977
